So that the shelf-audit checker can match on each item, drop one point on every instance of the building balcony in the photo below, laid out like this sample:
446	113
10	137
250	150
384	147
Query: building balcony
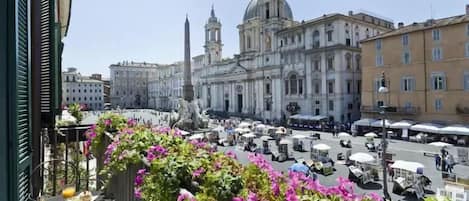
391	110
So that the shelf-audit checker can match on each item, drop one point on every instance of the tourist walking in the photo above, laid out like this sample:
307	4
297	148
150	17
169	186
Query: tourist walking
437	161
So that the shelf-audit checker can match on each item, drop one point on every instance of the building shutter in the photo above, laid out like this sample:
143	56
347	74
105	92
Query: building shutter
402	84
443	77
413	84
19	106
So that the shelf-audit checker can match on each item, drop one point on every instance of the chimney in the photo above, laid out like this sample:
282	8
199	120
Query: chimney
467	9
350	13
400	25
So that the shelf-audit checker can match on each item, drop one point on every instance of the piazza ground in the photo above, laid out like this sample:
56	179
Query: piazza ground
402	150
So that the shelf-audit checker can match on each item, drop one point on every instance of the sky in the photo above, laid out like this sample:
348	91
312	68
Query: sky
104	32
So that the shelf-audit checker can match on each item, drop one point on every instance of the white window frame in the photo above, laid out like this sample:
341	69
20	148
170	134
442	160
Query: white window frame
407	84
409	60
378	44
438	104
466	49
379	60
437	54
436	35
441	84
466	81
405	40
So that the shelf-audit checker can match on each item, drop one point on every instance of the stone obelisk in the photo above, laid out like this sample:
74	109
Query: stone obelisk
188	89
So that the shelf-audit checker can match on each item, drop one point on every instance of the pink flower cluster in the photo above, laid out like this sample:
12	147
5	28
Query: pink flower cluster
231	154
110	148
131	122
185	197
299	182
198	172
155	152
199	144
107	122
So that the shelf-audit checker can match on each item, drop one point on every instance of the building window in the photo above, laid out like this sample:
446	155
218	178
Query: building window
330	63
348	42
466	81
85	98
438	105
377	84
407	84
267	88
73	99
79	98
331	105
379	60
329	36
349	86
408	105
405	40
378	45
249	42
330	86
292	39
84	90
406	59
357	39
316	42
436	34
467	49
438	81
348	60
300	86
68	98
299	38
357	60
293	85
467	30
79	90
286	87
268	105
316	88
437	54
316	65
67	90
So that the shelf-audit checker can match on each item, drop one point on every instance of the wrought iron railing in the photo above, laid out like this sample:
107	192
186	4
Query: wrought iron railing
396	110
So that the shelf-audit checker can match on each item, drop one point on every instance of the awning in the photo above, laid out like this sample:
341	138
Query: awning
379	123
456	129
427	128
406	165
404	124
308	117
364	122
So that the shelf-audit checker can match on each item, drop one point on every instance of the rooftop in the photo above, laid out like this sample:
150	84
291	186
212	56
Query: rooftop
420	26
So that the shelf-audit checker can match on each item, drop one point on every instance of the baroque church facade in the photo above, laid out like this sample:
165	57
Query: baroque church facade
286	67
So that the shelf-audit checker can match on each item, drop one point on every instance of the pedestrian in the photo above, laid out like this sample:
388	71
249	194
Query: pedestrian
437	161
449	163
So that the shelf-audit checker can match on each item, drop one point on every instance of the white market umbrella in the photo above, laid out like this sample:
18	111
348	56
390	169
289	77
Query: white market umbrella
299	137
249	135
406	165
440	144
244	125
265	137
362	157
344	135
456	129
321	147
196	137
261	126
371	134
404	124
184	132
239	130
379	123
427	128
285	141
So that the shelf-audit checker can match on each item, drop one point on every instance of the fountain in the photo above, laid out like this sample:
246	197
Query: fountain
189	116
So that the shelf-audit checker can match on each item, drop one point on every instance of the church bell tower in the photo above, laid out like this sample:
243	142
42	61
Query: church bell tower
213	45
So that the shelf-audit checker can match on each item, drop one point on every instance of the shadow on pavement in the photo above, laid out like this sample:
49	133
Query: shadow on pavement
371	186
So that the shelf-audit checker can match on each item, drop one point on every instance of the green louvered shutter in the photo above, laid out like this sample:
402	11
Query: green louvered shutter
46	57
20	108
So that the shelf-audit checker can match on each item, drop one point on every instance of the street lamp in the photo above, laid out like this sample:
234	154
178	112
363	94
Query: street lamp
383	89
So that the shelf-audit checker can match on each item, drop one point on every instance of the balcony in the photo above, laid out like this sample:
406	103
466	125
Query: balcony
391	110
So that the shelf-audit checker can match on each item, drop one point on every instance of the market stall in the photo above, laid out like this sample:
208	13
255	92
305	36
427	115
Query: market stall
363	169
408	176
284	151
320	160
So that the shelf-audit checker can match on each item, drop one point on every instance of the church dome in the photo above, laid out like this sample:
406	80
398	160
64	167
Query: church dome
253	11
